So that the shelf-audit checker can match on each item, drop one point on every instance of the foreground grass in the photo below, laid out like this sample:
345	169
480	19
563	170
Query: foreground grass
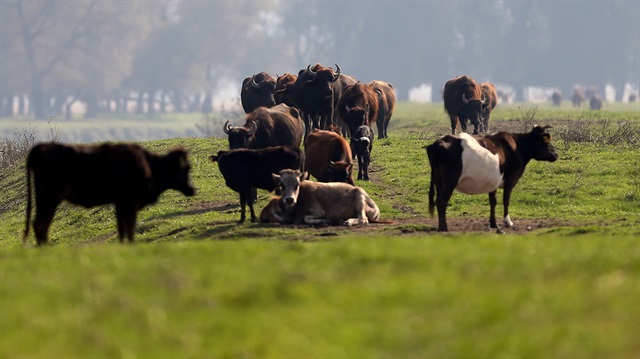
198	285
554	295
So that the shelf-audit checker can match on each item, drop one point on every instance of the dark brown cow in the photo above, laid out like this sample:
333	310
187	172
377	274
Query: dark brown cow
276	126
386	105
246	169
362	142
92	175
578	96
257	91
482	164
491	101
358	106
463	100
284	90
556	98
317	91
328	157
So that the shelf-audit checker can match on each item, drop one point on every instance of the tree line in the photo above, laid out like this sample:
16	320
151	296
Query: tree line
172	55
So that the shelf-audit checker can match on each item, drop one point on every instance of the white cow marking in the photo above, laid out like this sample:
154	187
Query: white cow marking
480	168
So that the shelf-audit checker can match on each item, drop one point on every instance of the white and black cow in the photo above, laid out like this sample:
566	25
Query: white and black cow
482	164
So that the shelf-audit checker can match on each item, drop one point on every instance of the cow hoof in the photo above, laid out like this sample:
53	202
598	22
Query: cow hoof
499	231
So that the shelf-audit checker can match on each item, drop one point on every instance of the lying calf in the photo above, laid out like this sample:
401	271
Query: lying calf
308	202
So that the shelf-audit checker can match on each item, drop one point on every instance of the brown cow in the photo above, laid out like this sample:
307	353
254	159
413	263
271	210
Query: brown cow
284	92
556	98
578	96
491	100
358	106
482	164
276	126
595	103
463	100
317	203
91	175
328	157
257	91
386	105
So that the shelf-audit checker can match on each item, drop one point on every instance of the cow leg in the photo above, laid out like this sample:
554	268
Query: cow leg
443	194
243	205
45	211
254	195
381	130
492	205
454	123
126	216
506	198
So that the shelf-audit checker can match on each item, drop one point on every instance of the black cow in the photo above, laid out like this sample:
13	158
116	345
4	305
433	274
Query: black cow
91	175
276	126
362	142
491	100
463	100
246	169
482	164
284	92
257	91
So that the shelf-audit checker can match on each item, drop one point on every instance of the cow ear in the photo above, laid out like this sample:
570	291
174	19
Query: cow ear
213	158
546	137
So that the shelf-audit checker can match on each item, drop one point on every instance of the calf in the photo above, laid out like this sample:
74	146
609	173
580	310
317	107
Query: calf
328	157
244	169
308	202
362	142
91	175
482	164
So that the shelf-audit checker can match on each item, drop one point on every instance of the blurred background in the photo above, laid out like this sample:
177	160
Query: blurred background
87	58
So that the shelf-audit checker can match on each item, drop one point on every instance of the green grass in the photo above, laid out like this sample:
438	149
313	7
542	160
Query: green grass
196	284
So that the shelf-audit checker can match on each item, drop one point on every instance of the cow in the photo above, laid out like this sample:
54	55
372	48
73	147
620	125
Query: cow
317	91
482	164
276	126
386	105
125	175
491	98
463	100
595	103
317	203
362	142
257	91
246	169
358	106
283	92
328	157
556	98
578	96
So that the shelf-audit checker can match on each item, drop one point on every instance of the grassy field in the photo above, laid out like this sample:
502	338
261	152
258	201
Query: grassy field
565	283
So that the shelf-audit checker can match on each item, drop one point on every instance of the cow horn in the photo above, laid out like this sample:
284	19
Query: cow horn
254	84
311	72
337	73
483	99
227	127
253	129
464	98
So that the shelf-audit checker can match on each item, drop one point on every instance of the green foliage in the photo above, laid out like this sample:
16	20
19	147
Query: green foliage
196	284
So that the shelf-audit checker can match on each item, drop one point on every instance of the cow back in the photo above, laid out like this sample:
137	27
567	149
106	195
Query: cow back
322	148
277	126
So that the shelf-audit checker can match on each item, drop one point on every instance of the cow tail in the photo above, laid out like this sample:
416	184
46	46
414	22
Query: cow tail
25	234
432	183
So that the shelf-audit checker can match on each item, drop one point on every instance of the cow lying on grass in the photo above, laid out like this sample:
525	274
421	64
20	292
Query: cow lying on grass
317	203
482	164
246	169
91	175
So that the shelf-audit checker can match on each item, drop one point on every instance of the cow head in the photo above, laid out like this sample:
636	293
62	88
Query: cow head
475	109
340	171
283	90
177	171
239	136
363	141
538	145
289	185
322	78
262	86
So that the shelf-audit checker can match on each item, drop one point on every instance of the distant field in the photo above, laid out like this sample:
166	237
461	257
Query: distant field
564	283
407	115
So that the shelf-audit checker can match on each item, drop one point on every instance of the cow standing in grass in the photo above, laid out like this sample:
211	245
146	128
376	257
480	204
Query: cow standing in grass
328	157
362	143
386	105
482	164
463	100
92	175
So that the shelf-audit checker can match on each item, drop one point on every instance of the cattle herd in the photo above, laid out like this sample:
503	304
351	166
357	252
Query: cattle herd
332	115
